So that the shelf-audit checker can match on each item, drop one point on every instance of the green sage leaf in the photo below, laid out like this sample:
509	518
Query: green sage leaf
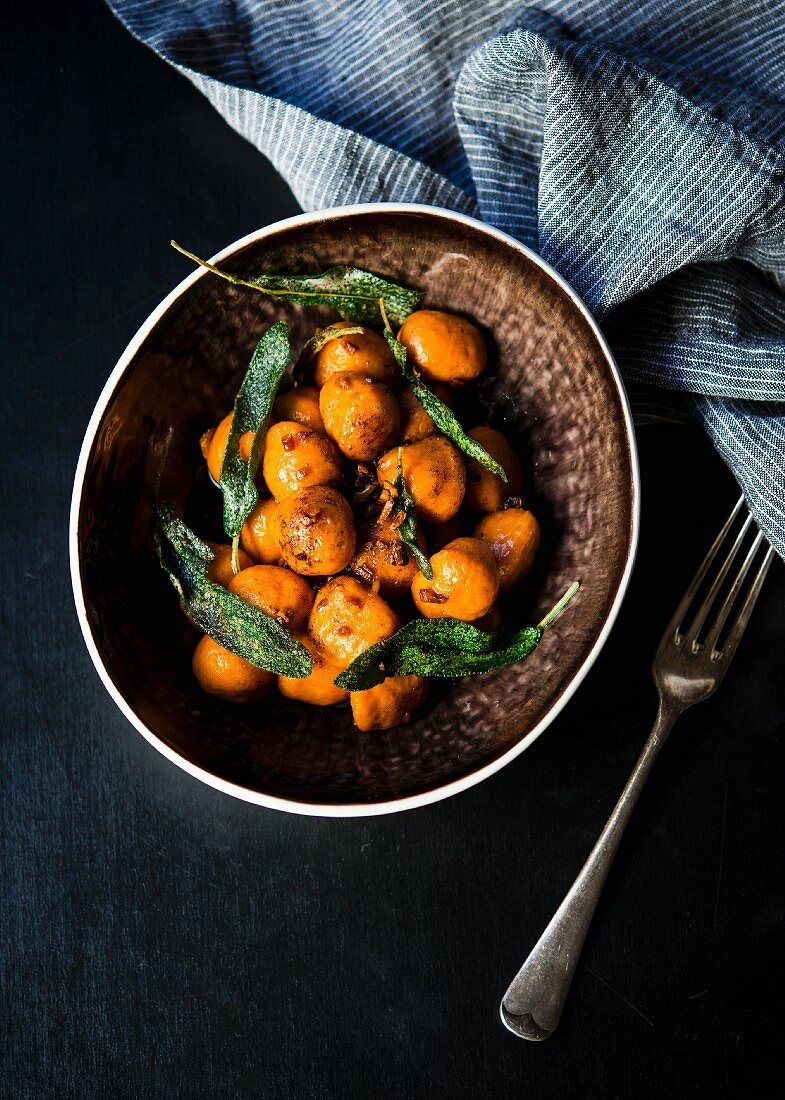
236	625
354	293
408	529
323	336
444	418
252	409
445	648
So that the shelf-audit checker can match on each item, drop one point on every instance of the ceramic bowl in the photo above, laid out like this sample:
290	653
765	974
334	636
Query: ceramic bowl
553	386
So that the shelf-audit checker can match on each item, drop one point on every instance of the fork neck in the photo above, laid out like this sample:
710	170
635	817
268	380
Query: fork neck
667	713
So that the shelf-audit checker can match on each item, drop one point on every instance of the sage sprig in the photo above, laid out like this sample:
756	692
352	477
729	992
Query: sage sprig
354	293
252	409
445	648
407	529
444	418
236	625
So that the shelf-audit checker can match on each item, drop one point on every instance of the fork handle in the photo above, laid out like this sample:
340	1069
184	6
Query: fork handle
533	1004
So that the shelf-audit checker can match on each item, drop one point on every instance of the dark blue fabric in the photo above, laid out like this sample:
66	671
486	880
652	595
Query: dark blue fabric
638	145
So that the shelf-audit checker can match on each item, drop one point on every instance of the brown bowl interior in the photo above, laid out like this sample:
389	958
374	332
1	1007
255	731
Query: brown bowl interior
553	389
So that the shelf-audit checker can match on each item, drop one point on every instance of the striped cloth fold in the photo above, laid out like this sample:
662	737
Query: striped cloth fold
637	145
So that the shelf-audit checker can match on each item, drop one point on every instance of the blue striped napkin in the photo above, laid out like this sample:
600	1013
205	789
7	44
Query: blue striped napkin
637	145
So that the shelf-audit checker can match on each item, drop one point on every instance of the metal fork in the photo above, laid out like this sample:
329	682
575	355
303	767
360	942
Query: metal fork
692	658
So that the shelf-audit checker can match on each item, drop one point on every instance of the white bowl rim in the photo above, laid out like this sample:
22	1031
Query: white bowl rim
354	809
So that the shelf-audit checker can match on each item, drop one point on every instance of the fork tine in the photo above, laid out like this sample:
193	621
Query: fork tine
745	611
697	580
705	608
722	615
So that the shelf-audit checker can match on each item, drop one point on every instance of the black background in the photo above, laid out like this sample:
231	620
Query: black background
164	940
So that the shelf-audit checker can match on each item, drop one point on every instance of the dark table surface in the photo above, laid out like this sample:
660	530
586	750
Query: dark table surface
164	940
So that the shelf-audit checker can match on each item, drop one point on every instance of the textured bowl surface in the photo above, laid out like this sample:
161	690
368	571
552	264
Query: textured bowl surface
555	389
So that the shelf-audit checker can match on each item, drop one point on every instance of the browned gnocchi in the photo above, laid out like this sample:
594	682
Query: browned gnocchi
358	484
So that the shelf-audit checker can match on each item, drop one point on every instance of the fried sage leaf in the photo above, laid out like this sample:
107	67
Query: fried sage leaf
445	648
230	621
407	530
252	409
354	293
323	336
444	418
